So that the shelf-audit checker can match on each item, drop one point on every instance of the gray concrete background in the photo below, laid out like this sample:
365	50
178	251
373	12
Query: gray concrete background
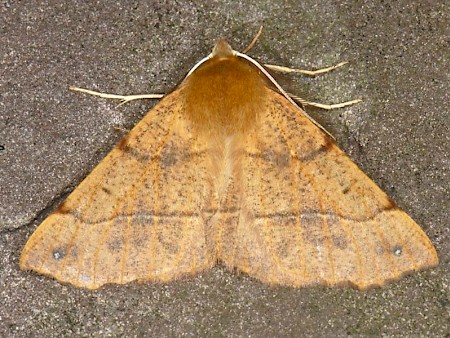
52	138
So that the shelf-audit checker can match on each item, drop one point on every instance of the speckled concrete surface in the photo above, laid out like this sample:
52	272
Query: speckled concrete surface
52	138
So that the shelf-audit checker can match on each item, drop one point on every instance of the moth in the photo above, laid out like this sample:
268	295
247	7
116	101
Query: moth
227	168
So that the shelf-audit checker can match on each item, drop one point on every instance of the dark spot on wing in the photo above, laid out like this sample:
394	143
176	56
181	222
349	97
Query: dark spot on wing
339	241
63	209
313	229
279	159
116	244
169	155
125	147
59	253
324	148
397	250
390	204
123	143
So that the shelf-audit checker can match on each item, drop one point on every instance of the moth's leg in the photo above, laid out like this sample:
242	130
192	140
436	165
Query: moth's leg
304	102
314	73
123	98
251	44
283	69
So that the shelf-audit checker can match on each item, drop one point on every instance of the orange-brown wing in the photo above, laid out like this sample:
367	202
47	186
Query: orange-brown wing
138	216
309	215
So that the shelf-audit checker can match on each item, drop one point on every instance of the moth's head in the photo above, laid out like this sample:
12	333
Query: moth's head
222	49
